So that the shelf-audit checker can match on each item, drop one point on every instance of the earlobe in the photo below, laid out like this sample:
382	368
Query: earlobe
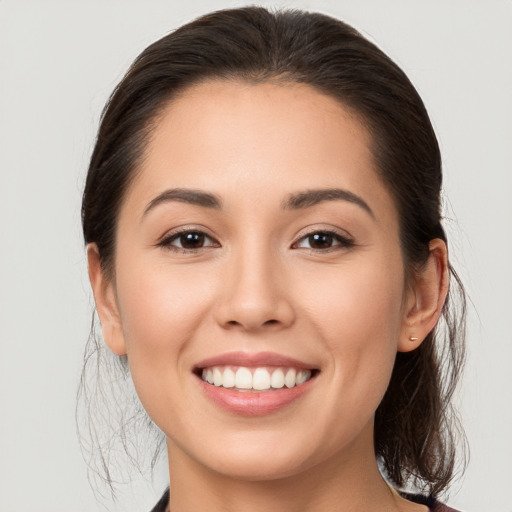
426	298
106	304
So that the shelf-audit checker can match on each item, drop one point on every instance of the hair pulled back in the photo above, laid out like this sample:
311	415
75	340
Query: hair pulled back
414	425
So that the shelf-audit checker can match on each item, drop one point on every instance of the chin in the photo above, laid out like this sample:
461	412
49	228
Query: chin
259	468
261	455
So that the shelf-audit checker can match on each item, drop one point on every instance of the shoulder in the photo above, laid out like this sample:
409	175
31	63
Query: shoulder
432	503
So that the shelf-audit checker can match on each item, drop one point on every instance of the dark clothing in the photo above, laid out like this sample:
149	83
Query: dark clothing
162	504
430	502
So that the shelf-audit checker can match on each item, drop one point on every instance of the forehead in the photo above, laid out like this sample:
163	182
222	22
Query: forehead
251	142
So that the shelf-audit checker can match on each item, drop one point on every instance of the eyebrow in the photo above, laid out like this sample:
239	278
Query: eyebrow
310	198
297	201
185	195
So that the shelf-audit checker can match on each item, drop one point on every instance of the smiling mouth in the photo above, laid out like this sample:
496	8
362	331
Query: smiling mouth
255	379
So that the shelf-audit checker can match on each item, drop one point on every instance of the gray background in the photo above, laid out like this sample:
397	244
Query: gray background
58	62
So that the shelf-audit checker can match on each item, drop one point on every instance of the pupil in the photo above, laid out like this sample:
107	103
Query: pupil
192	240
320	240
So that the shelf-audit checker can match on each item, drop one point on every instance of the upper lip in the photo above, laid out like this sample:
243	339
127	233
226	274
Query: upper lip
253	360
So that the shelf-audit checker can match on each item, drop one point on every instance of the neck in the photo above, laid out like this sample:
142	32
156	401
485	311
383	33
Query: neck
348	481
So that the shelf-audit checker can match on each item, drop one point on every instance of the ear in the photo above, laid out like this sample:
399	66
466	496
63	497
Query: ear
426	297
106	303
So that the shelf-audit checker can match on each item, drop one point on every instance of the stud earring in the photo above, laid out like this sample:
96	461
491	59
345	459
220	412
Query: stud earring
412	338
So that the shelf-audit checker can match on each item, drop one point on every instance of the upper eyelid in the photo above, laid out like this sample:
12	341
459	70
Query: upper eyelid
177	235
174	233
166	242
341	240
329	230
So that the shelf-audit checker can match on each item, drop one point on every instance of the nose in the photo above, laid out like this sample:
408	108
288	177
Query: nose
254	294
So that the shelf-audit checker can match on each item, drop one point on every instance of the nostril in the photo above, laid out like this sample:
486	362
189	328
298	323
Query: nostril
234	323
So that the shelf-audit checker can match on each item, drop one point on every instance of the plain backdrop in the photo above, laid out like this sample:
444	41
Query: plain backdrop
59	60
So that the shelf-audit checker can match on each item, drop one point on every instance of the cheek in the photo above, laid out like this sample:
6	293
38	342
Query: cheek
358	300
357	313
159	306
160	313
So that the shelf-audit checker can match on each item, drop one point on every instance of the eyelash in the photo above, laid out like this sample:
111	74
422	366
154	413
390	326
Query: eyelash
167	241
343	242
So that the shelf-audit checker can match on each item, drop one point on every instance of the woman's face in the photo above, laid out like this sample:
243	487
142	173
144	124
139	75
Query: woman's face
257	247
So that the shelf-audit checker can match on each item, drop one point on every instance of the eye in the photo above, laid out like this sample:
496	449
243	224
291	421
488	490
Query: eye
323	241
188	241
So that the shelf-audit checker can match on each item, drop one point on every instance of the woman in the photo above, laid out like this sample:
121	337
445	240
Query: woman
262	219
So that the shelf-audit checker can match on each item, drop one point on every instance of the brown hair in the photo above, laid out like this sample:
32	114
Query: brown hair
414	426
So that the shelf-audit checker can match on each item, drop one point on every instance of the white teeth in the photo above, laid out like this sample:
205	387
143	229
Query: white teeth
243	378
217	377
228	379
289	380
259	379
277	380
303	376
209	376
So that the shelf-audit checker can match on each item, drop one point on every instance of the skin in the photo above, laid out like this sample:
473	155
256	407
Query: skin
258	285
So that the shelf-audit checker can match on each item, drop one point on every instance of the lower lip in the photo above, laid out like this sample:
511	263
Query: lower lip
251	403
